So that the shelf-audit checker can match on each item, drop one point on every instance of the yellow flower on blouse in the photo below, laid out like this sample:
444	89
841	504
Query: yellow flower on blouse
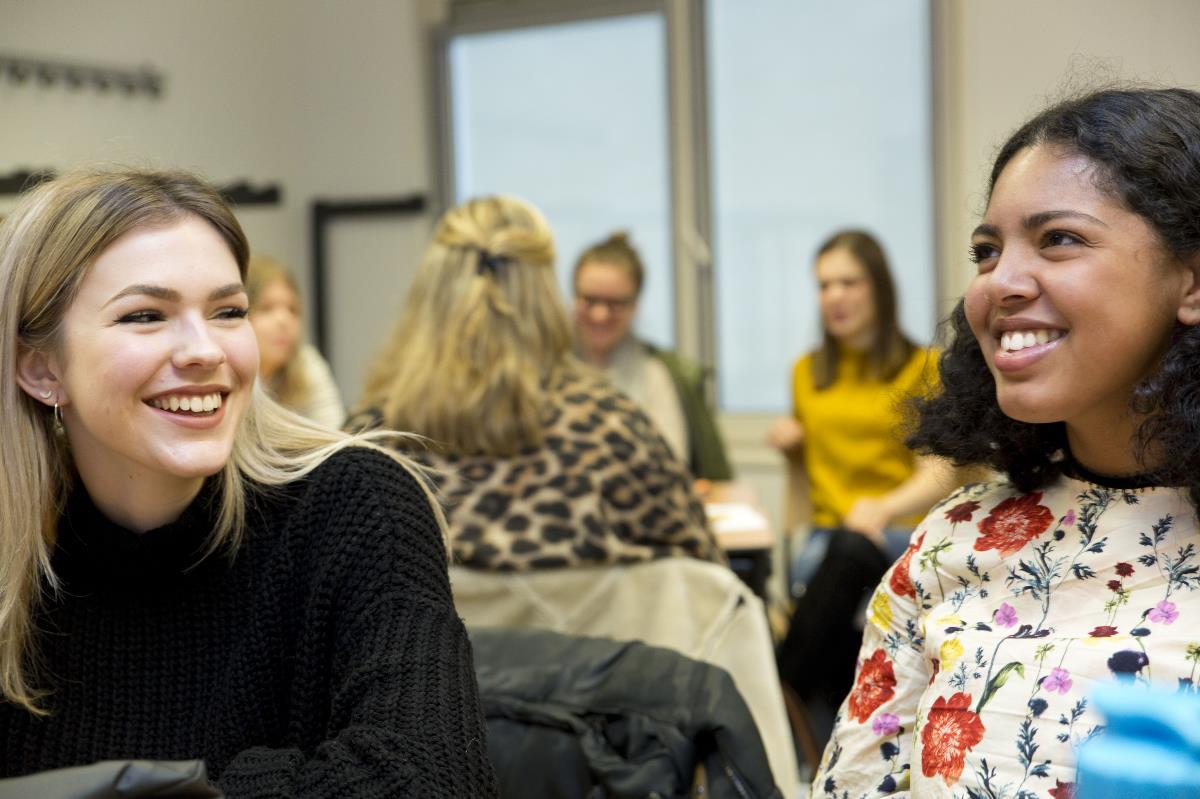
881	610
952	650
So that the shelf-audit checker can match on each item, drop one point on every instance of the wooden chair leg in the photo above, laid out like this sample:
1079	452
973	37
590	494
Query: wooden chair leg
802	732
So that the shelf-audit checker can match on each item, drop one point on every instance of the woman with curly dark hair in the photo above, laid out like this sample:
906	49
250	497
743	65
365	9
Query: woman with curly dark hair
1074	370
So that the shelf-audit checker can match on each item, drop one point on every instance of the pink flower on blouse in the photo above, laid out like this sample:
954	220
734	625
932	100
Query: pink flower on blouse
1164	612
1069	519
1059	681
885	724
1006	615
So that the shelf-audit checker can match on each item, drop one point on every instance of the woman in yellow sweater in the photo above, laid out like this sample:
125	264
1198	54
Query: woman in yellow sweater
848	395
866	488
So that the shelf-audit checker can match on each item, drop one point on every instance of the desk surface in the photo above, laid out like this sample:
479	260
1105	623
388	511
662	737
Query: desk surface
736	518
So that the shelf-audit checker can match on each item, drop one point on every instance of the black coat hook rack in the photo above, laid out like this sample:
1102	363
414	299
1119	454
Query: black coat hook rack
22	179
240	192
46	73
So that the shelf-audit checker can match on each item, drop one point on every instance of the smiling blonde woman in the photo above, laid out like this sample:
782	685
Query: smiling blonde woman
190	571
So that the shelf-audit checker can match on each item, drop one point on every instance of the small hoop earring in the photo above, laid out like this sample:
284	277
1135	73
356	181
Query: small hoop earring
58	420
45	393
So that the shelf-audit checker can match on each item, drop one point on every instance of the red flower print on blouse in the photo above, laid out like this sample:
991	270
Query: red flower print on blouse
1014	523
1103	631
1125	570
875	685
951	730
1063	790
900	582
962	511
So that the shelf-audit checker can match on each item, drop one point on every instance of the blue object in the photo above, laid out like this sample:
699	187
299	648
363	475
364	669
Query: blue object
1150	748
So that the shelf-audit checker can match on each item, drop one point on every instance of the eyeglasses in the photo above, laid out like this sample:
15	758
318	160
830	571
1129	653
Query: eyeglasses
611	304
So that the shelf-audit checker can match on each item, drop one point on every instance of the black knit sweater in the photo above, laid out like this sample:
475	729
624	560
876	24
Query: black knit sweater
325	660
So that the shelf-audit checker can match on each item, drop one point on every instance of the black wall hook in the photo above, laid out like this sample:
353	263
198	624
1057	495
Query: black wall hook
46	73
239	192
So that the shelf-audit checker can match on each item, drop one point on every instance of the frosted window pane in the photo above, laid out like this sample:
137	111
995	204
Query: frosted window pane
573	118
820	119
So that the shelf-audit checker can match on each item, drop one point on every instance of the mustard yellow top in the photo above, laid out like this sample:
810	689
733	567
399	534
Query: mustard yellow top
853	432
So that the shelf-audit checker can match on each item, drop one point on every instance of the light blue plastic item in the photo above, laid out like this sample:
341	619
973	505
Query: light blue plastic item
1150	748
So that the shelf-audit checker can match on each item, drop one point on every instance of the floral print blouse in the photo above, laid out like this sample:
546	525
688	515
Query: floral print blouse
984	640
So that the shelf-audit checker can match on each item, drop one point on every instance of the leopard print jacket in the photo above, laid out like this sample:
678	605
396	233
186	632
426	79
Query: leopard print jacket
602	488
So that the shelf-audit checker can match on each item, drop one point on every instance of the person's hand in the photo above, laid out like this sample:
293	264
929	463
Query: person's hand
785	434
869	516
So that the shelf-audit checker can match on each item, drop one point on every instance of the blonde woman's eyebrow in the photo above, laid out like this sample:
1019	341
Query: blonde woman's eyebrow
228	290
171	295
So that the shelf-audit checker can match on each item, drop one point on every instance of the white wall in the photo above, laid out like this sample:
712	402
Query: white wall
326	99
1002	60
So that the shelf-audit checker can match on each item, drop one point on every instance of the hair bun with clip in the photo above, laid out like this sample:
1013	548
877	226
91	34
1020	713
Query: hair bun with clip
490	263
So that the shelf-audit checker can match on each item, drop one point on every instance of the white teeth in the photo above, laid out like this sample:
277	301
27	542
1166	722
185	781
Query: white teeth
189	403
1020	339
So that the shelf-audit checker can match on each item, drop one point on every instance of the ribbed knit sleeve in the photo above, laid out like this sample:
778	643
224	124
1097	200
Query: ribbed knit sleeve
381	643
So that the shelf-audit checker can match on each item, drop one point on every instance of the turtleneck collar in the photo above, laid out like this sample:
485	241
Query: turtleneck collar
93	550
1073	468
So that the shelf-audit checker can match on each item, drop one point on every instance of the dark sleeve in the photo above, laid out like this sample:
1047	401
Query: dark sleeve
401	711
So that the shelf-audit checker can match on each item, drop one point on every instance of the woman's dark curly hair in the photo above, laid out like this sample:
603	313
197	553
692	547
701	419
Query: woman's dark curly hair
1145	147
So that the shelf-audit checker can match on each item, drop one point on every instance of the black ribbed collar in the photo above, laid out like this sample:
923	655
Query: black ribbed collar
94	551
1073	468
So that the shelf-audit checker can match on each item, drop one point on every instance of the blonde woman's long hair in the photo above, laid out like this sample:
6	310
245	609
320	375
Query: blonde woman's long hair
46	247
289	385
482	334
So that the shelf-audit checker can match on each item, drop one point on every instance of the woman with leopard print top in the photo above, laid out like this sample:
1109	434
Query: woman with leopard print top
542	463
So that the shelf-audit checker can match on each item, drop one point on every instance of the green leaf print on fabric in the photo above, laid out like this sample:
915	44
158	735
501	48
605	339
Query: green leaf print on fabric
997	682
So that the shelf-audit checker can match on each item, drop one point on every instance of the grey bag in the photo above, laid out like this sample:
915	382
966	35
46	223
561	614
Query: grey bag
116	779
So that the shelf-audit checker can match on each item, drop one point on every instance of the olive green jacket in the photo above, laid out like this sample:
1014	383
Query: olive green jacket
706	451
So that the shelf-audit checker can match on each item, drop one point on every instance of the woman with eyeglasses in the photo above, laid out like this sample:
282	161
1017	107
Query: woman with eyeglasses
608	283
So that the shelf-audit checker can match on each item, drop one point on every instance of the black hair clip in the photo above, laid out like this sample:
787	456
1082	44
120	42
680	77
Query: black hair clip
489	263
